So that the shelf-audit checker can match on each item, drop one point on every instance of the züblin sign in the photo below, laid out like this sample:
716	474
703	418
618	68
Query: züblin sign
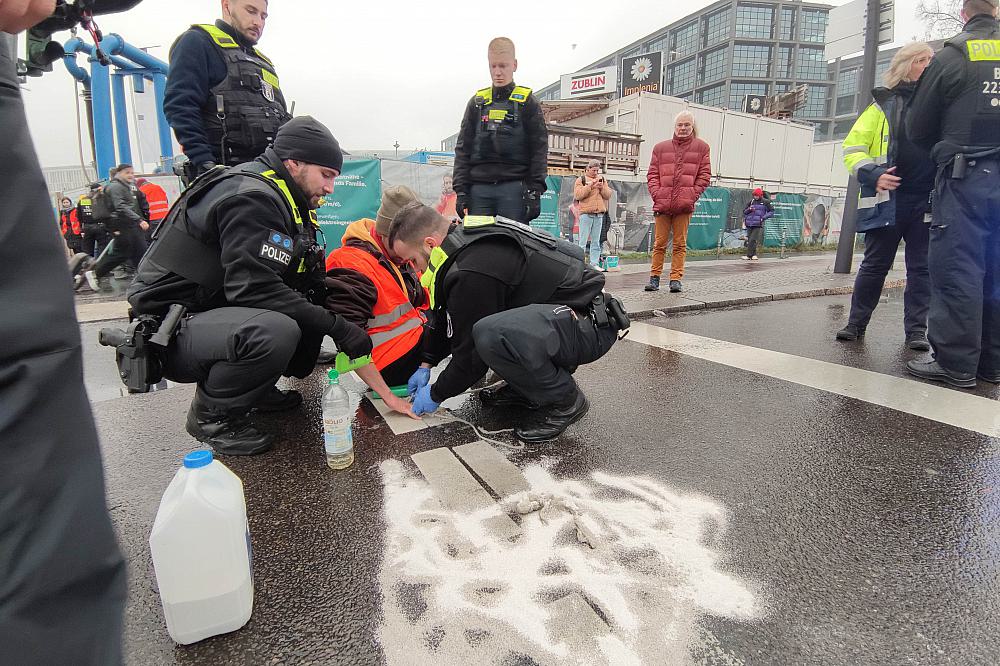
589	83
642	73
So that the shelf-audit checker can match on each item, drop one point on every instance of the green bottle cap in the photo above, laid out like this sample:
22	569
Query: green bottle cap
334	376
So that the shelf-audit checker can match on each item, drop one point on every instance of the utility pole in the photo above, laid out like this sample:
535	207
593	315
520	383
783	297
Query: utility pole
845	248
396	146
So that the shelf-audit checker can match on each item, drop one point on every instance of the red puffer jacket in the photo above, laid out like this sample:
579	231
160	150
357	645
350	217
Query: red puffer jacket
678	173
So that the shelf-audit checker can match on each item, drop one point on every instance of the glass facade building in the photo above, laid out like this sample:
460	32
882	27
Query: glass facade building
734	48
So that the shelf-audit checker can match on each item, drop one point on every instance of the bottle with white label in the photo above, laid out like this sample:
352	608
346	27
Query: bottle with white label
337	439
201	551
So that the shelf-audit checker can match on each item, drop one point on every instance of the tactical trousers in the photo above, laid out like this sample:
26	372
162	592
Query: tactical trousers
62	577
880	251
964	259
504	199
235	355
536	349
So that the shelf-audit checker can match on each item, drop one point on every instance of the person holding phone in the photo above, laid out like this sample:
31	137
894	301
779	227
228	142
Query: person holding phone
592	192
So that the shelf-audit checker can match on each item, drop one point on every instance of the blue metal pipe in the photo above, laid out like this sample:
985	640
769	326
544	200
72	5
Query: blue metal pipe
121	118
160	89
79	73
113	44
104	137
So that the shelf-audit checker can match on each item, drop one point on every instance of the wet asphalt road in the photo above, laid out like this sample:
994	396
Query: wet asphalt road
868	535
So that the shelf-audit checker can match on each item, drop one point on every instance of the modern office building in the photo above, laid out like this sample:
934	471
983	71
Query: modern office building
733	48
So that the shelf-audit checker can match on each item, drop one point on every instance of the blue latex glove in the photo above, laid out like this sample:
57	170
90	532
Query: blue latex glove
418	380
422	403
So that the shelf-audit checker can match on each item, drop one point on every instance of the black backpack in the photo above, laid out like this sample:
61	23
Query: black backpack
101	206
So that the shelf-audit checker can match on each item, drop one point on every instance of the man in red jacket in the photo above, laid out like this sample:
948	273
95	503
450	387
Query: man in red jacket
159	206
678	173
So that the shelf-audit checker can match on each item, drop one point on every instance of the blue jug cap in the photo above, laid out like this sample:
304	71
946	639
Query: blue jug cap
197	459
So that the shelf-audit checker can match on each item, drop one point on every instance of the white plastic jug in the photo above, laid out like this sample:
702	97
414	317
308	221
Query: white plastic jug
201	551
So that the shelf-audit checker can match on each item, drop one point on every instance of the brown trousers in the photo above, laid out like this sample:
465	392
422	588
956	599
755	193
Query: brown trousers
665	225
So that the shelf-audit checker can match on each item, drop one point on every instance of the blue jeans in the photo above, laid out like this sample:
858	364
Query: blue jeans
590	228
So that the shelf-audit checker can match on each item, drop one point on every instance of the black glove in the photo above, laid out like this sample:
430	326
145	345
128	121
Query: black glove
351	339
532	205
461	204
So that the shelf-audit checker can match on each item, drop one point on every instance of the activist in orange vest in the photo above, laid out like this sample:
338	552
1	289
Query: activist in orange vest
157	198
367	286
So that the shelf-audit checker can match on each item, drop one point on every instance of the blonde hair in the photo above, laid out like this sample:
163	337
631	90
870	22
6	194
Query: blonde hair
899	68
501	45
690	116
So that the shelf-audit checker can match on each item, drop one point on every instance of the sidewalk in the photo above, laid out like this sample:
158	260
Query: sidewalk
727	282
714	283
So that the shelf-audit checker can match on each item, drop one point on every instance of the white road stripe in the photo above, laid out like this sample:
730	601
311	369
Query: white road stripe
944	405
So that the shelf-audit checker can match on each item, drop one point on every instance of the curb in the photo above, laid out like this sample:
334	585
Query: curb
743	300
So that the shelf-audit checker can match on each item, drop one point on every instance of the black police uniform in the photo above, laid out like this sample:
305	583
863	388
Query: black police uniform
223	98
62	577
241	256
95	233
956	113
518	302
501	156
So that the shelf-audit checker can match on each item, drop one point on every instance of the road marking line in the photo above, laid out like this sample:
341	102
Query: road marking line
500	474
936	403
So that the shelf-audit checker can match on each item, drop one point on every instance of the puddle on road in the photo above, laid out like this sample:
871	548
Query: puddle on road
454	593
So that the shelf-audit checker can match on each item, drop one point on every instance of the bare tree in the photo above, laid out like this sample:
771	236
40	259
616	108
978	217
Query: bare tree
940	17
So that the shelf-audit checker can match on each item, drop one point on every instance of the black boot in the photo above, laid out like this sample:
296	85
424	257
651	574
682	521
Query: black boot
556	421
229	433
918	340
935	372
276	400
850	333
505	396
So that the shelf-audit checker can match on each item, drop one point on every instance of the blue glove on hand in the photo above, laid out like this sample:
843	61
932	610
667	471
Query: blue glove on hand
418	380
422	403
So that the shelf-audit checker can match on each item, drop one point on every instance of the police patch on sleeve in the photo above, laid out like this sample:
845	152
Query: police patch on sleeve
277	247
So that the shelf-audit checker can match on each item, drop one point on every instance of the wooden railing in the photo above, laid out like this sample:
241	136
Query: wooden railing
570	148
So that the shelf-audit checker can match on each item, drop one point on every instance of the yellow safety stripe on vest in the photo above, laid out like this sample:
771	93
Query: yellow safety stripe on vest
288	196
428	279
520	94
85	202
269	78
219	36
405	327
476	221
265	59
391	317
486	94
983	49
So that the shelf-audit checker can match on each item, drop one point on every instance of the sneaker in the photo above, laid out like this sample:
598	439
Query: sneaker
92	280
918	340
654	283
675	286
850	333
755	258
933	371
745	258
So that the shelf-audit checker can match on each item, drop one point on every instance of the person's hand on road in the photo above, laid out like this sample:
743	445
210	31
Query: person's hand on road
418	380
397	404
422	403
888	181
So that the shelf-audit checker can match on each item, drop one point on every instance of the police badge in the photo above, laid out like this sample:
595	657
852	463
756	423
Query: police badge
267	90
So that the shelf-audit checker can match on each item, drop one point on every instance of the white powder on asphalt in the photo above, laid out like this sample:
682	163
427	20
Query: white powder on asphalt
452	592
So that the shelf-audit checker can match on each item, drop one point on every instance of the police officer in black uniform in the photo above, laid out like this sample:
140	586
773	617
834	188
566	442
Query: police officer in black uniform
512	299
223	98
95	231
501	156
239	252
956	114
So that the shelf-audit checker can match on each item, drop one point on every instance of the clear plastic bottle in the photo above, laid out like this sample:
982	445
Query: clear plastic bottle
337	438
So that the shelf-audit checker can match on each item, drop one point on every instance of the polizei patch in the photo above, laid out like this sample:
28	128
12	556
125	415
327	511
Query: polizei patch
277	247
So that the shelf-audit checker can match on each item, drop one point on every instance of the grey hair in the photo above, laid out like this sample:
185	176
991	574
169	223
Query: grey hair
686	113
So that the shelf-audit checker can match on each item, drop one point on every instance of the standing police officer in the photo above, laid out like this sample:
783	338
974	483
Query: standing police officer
239	251
223	99
501	156
507	297
956	113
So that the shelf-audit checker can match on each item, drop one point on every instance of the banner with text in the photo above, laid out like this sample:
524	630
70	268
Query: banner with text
356	195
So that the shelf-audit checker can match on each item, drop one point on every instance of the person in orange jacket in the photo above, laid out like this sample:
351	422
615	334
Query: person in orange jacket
369	286
69	225
156	196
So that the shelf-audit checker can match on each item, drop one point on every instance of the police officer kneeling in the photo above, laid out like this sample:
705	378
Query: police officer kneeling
512	299
239	252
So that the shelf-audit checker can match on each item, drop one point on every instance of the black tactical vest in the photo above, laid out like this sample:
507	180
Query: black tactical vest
972	119
244	111
500	135
554	270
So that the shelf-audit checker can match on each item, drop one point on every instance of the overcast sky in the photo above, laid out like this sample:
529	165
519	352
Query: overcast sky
380	71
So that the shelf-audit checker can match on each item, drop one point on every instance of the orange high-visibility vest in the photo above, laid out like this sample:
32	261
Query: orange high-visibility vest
395	326
69	222
157	198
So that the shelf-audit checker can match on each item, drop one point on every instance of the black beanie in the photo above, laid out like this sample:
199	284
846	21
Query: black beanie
306	139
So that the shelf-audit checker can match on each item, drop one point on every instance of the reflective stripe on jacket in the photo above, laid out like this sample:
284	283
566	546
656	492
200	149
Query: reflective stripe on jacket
866	154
